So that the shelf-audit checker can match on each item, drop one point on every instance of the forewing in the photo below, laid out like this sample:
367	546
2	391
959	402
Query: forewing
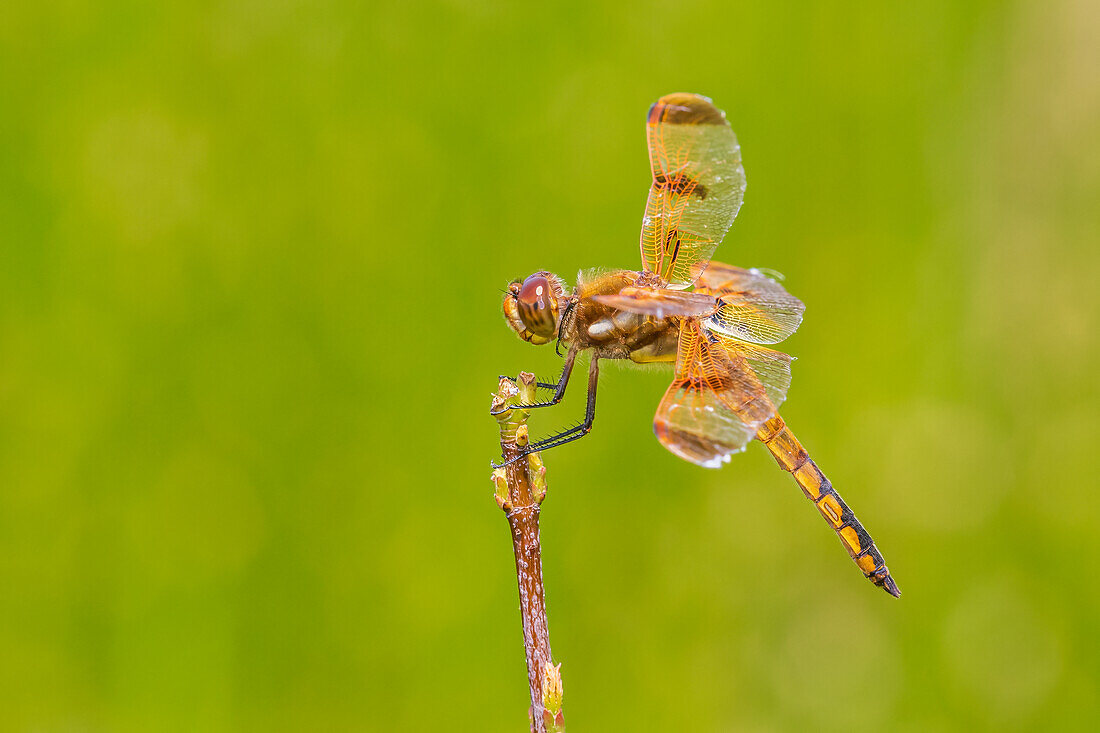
718	277
660	303
697	189
723	391
753	307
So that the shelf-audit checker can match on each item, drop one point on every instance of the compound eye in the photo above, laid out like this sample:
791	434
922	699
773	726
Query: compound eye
535	291
538	305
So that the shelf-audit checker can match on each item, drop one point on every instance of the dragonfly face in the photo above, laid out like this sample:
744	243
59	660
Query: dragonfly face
533	307
715	321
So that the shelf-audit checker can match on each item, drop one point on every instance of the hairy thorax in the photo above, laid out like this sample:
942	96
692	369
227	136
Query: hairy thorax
616	334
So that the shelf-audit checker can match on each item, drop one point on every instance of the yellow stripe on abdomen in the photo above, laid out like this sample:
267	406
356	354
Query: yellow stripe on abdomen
793	458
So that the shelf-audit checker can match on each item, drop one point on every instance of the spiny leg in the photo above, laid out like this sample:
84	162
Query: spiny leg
558	387
569	311
585	427
573	433
544	385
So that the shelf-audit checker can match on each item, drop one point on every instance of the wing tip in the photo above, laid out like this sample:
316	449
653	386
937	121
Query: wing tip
692	447
685	108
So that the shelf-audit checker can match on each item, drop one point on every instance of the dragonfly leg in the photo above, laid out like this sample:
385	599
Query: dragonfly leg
563	321
558	387
573	433
544	385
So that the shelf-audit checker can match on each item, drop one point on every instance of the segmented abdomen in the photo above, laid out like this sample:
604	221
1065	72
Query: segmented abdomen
792	457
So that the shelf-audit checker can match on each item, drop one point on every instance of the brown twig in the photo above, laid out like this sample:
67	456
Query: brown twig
520	489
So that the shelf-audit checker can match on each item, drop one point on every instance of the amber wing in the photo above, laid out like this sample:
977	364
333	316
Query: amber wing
723	391
697	189
752	306
660	303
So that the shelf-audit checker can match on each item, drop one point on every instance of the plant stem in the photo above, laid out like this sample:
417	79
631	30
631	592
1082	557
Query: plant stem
520	489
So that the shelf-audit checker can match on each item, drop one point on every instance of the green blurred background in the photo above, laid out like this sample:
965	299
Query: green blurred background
250	280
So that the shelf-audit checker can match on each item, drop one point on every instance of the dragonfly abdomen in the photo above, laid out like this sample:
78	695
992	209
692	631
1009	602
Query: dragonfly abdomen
793	458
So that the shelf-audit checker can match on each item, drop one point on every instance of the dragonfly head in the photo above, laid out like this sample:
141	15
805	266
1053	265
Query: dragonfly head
533	307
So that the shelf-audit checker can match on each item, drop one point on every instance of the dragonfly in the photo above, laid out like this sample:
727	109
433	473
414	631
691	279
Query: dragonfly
715	322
